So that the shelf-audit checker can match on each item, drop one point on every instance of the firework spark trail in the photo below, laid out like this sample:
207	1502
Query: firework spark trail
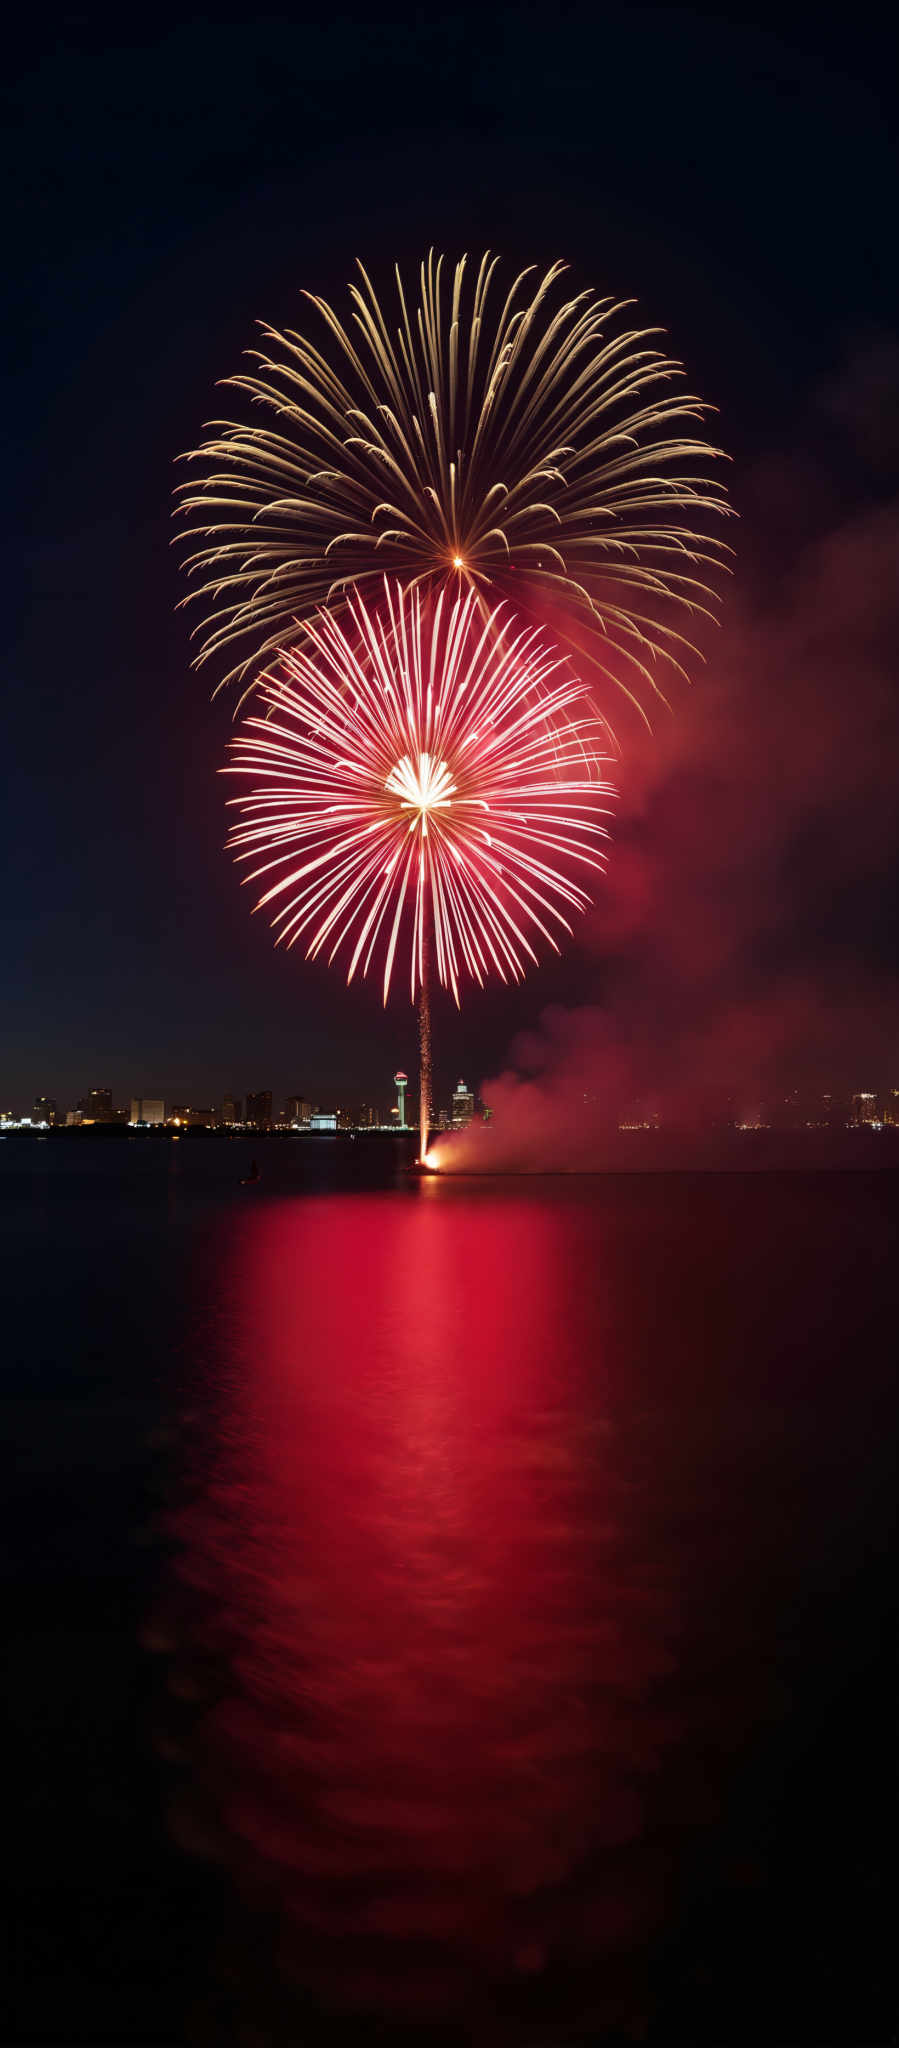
425	1076
425	774
525	443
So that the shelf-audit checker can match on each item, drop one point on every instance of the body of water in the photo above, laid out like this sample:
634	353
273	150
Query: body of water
446	1610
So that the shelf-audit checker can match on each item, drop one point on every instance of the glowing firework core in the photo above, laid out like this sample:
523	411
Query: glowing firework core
427	787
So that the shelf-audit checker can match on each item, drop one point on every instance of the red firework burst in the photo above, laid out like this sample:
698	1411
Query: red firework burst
422	769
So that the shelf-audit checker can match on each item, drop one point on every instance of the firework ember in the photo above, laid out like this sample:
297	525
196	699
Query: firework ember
528	446
422	777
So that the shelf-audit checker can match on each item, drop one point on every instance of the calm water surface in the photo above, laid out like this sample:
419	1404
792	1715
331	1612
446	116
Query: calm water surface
454	1611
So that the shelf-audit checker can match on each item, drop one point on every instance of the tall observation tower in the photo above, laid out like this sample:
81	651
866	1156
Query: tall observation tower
400	1081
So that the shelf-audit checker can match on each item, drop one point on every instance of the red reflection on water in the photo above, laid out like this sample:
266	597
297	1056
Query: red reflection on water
434	1616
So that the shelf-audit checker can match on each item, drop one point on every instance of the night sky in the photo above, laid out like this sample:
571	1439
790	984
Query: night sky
172	179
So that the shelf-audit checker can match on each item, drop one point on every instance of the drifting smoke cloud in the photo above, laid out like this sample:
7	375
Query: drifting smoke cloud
746	926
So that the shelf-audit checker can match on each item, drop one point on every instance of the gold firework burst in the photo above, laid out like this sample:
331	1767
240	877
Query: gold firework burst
534	447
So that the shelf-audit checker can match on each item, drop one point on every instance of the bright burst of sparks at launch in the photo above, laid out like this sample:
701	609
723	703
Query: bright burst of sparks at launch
533	445
421	769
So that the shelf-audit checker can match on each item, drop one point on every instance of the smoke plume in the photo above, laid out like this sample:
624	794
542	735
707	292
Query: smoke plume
746	928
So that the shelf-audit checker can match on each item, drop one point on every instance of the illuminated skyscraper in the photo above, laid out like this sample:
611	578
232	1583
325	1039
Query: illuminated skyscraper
96	1106
298	1110
146	1109
463	1106
864	1109
231	1109
44	1111
401	1082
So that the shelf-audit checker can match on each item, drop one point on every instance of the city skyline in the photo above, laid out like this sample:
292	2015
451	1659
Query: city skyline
255	1109
805	1107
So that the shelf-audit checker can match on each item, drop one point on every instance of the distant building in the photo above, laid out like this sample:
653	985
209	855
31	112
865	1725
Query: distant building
96	1106
146	1109
401	1082
297	1110
232	1108
323	1120
463	1107
44	1111
865	1109
259	1110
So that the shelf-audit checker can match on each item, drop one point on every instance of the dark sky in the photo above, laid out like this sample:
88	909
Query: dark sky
171	179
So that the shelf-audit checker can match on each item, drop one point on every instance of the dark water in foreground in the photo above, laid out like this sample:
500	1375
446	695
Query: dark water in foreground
446	1611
